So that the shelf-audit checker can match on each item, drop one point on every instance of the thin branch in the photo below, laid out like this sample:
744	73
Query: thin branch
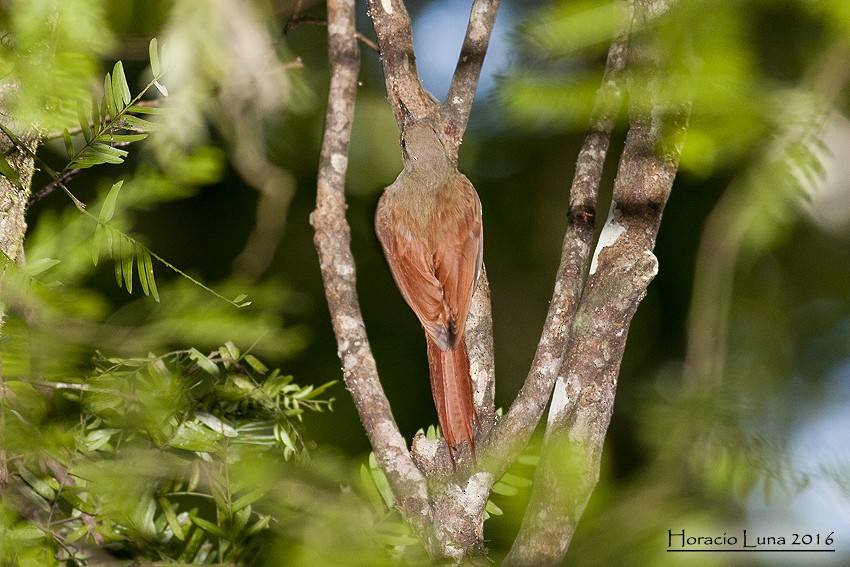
332	239
53	185
455	111
479	337
395	40
516	427
297	21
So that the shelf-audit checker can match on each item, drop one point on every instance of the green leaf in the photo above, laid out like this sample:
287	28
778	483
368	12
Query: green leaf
78	502
108	208
381	482
135	123
196	540
98	238
97	153
120	88
205	363
41	486
106	150
208	527
150	277
69	144
109	97
98	438
84	123
371	490
39	266
119	278
231	350
255	363
193	437
493	509
143	274
9	173
147	109
216	424
153	53
504	489
248	498
283	436
171	518
126	138
127	253
259	525
530	460
316	391
95	114
515	481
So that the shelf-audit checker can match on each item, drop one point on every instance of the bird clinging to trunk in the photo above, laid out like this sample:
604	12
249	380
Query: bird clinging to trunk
429	224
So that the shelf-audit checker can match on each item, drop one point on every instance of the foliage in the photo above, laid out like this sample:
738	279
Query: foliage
175	428
148	458
110	458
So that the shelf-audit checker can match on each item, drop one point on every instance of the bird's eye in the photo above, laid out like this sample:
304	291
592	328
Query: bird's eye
403	144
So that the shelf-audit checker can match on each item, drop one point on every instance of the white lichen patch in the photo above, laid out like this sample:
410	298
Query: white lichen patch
336	27
560	401
344	270
339	162
347	324
477	30
654	260
349	361
387	6
611	232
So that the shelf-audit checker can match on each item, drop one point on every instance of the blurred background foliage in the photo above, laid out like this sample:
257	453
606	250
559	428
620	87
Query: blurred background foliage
733	400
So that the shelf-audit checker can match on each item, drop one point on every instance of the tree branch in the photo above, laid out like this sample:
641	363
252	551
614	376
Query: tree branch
458	104
395	40
622	268
332	240
515	429
479	337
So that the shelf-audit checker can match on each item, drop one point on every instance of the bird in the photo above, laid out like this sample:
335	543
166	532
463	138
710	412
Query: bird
429	225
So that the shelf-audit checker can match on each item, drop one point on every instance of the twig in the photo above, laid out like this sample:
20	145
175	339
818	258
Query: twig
297	21
53	185
458	104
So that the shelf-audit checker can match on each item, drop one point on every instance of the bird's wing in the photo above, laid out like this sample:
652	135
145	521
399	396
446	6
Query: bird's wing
412	266
457	260
438	286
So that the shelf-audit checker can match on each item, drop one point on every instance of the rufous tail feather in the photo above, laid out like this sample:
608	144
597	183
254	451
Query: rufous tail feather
452	389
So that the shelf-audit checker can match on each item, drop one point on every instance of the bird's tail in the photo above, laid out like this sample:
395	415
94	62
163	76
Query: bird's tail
451	386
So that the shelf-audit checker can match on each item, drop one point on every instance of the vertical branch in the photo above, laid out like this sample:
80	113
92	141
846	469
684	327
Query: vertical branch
332	240
479	337
515	428
455	111
14	198
622	268
395	40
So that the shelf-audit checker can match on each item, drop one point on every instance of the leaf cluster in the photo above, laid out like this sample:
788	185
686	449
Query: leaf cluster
176	428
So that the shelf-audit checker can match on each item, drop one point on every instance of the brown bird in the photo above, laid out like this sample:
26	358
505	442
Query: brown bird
429	224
